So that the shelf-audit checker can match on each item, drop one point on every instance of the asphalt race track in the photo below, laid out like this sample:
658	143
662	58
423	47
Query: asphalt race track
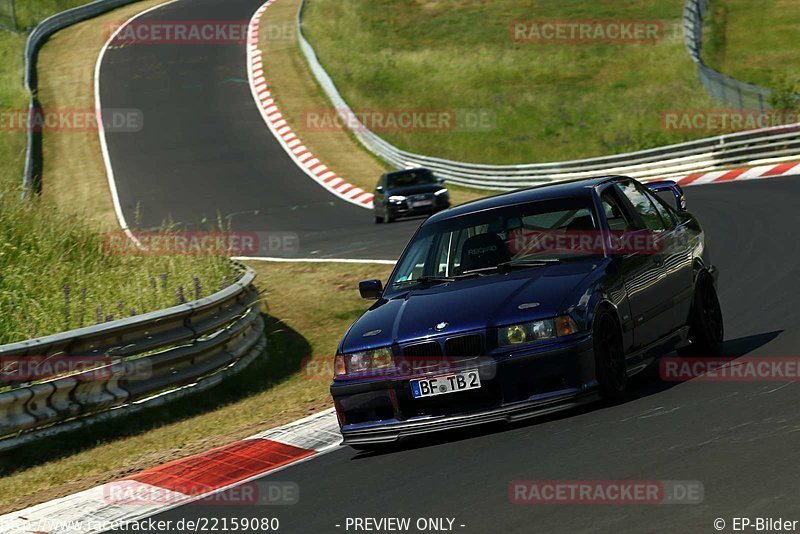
205	150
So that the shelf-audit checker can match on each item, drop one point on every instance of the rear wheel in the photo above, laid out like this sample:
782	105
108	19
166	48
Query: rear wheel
609	356
378	219
706	328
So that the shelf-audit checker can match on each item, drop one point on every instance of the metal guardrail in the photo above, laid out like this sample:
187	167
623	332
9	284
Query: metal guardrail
141	361
33	158
723	88
664	162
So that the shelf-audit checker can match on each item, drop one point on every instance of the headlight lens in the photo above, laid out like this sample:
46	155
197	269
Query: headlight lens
397	198
440	192
518	334
358	362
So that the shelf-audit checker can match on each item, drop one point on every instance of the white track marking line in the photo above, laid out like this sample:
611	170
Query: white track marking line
112	184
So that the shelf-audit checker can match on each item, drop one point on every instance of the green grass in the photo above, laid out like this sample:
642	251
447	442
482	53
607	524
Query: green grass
54	271
552	100
308	307
32	12
754	42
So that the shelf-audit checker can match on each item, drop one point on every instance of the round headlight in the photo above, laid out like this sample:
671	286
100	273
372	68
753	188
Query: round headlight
516	334
543	329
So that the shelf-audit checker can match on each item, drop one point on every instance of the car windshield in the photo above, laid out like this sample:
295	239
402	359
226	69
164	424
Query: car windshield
412	177
493	241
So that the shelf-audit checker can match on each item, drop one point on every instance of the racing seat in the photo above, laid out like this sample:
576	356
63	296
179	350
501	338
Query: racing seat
483	251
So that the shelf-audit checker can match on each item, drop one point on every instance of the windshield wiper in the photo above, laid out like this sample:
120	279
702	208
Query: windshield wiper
435	279
509	265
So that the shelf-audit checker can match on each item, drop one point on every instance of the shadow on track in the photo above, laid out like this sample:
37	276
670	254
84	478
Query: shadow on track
644	384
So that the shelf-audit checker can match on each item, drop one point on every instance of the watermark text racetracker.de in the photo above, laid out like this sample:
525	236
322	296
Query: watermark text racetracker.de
253	493
71	120
532	242
726	369
86	368
605	492
193	32
383	120
587	31
202	243
725	120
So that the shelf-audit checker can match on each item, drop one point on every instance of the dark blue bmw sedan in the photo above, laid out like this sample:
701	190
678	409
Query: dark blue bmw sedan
525	303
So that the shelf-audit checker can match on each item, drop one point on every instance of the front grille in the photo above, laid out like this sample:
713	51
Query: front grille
464	346
423	350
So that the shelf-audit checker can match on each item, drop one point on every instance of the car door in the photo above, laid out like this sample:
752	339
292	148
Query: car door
677	254
650	293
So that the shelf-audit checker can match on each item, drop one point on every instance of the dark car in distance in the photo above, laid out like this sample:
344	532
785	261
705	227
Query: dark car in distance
526	303
408	193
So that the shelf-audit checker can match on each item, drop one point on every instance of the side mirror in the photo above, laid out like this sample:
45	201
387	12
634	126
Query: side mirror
671	187
370	289
440	180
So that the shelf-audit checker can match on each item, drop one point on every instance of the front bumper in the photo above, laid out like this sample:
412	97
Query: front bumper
403	209
513	387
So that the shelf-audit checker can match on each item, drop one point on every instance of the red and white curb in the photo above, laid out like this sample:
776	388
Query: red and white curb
181	482
288	139
749	173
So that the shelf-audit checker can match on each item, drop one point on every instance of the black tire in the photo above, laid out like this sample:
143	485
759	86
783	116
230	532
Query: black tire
609	357
388	219
378	219
706	328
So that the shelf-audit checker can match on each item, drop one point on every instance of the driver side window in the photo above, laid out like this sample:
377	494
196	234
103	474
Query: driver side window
643	206
617	218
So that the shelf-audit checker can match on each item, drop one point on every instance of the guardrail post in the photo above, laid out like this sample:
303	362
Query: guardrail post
39	403
13	414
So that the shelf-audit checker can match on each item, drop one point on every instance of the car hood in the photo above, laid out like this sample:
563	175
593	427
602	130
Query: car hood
469	304
417	189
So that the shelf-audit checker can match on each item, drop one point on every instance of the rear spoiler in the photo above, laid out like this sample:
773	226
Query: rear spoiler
671	186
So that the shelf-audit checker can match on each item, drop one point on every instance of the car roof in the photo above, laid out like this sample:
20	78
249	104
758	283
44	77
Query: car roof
546	191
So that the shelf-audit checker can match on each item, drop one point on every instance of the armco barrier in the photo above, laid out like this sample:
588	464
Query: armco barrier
738	149
33	157
146	360
727	90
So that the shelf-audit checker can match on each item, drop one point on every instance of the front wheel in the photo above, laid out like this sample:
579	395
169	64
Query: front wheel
706	328
609	357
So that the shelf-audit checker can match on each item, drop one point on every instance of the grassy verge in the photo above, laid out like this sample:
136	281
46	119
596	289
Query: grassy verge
298	95
74	172
754	42
552	100
55	273
309	306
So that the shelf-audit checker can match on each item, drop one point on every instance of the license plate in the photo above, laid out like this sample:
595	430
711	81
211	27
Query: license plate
421	203
440	385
